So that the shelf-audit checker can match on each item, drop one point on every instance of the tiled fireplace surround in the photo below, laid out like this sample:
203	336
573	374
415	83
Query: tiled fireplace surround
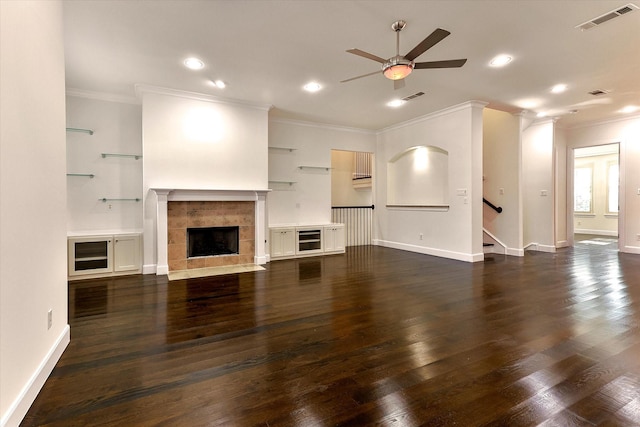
179	209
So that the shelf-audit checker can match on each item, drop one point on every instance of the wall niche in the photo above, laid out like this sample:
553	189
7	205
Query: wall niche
418	177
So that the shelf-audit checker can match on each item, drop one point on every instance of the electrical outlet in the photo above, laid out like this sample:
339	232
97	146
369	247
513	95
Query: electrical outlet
49	318
579	223
638	237
502	191
421	236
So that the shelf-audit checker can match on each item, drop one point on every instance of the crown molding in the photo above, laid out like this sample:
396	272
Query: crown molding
603	122
142	89
101	96
439	113
321	125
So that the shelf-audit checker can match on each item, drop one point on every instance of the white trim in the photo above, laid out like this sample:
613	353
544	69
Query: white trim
149	269
320	125
603	122
459	256
515	252
631	249
18	409
562	244
141	89
540	248
430	116
596	232
102	96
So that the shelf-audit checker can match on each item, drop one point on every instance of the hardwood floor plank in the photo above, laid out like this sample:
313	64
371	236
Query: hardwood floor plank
373	336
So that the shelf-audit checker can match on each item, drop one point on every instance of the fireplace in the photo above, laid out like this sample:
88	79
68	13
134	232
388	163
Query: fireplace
212	241
181	209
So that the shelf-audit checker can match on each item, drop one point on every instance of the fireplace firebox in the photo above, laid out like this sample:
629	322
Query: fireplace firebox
211	241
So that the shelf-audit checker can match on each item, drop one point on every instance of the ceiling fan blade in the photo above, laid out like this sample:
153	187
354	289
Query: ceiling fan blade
451	63
398	84
367	55
427	43
359	77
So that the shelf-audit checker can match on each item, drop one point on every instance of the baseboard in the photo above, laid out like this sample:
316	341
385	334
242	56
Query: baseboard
540	248
162	270
562	244
515	252
596	232
631	249
149	269
18	409
261	260
459	256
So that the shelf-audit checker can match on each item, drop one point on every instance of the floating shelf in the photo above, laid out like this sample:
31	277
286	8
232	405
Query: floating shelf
104	200
283	182
90	175
282	148
133	156
314	167
89	131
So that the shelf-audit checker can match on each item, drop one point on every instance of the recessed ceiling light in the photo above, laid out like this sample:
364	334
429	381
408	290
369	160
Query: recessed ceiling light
559	88
630	109
219	84
193	63
541	114
500	60
312	87
395	103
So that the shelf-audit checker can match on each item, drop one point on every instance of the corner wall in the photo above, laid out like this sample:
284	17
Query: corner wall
33	244
454	232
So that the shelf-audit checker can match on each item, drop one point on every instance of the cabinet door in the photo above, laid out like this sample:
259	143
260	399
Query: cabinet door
334	238
283	242
89	255
126	252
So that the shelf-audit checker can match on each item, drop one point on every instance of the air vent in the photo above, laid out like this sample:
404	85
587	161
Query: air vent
599	92
415	95
607	17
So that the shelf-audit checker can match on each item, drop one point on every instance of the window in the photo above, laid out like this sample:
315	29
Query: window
583	190
613	172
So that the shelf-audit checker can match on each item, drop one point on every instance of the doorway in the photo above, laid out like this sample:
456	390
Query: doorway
596	182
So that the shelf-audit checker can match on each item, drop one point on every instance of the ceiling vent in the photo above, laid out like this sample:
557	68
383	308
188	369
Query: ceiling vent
599	92
607	16
415	95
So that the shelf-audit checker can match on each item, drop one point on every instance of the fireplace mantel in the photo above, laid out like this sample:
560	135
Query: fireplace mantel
165	195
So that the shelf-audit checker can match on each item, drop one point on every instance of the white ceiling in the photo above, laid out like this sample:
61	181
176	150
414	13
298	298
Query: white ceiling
267	50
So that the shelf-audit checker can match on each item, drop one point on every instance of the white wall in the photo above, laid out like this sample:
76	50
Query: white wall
308	201
33	256
193	141
538	186
455	232
562	237
502	178
117	129
343	192
627	133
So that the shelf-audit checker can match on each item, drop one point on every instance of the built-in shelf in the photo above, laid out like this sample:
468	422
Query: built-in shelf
133	156
326	168
282	148
104	200
89	175
89	131
282	182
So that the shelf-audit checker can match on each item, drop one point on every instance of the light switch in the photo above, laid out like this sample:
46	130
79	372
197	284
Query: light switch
543	192
461	191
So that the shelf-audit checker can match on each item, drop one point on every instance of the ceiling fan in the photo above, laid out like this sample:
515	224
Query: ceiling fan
398	67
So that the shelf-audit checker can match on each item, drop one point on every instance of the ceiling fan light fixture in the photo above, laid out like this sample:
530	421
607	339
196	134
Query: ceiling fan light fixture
500	60
397	68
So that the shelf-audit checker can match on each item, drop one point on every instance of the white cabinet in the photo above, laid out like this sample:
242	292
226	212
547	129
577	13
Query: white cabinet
126	252
308	240
334	238
103	255
283	242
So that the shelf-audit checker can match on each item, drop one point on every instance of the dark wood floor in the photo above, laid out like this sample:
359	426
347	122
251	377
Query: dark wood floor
375	336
